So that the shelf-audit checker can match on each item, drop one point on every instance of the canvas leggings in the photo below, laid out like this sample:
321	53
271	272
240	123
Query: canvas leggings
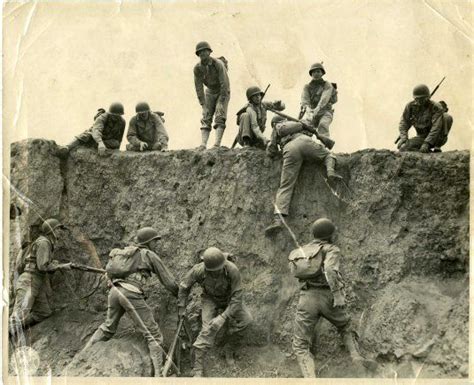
236	324
31	300
214	106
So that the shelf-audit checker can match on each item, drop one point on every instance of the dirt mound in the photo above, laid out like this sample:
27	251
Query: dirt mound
403	232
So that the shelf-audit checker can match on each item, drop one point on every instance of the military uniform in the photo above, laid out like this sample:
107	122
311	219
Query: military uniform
222	292
32	288
319	94
297	148
107	128
252	123
315	301
430	124
151	131
127	296
217	95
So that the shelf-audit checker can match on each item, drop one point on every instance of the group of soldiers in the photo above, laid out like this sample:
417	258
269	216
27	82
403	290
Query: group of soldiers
221	301
321	290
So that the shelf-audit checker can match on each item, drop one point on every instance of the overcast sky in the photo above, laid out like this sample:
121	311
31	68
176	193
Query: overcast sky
63	61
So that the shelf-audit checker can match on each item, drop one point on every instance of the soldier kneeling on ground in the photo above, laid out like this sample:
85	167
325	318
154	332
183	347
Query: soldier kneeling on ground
431	123
105	134
316	265
129	269
146	131
253	117
221	304
31	278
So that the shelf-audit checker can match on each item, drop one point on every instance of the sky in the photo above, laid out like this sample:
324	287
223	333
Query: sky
62	61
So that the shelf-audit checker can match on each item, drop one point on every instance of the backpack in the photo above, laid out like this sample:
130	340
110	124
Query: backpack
123	262
224	60
100	111
307	261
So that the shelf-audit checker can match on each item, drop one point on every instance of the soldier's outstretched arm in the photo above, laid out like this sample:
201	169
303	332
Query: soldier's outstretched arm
199	86
185	287
98	128
44	257
132	132
405	124
325	97
161	133
331	268
164	275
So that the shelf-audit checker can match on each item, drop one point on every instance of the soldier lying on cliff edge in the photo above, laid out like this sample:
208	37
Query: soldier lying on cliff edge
31	278
431	123
146	131
252	119
316	265
297	146
129	269
221	284
105	134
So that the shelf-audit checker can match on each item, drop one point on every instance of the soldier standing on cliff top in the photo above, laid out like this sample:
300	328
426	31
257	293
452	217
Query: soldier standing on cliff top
129	270
32	286
212	73
430	124
221	303
105	134
294	138
317	100
253	117
316	265
146	131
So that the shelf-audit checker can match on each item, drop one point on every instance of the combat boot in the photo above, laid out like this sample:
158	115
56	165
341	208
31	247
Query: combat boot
330	163
229	355
275	226
352	346
99	335
204	138
198	370
306	364
219	135
156	358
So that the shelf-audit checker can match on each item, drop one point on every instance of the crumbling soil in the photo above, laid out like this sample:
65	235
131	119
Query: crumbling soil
403	231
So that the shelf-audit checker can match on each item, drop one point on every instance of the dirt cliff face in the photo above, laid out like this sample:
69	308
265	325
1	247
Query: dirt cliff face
403	230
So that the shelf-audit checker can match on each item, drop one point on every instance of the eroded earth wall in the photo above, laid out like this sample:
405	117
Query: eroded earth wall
403	222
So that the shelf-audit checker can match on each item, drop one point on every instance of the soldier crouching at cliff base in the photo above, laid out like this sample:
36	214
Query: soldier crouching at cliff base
221	303
316	265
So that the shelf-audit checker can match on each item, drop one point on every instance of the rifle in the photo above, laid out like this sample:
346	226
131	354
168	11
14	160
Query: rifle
431	95
328	142
89	269
242	110
183	323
